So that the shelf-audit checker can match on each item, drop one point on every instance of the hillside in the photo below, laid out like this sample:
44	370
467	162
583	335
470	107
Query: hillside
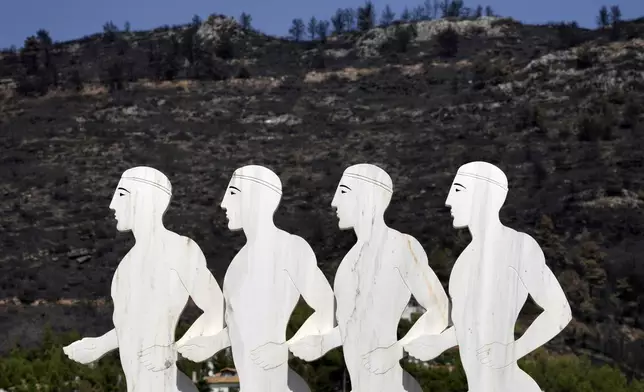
557	107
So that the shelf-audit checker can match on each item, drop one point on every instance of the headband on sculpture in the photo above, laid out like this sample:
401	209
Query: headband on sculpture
486	172
371	174
149	176
260	175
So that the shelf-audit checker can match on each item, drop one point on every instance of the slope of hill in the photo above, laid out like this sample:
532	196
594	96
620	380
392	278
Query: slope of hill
558	108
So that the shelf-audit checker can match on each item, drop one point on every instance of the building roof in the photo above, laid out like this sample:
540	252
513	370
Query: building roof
225	376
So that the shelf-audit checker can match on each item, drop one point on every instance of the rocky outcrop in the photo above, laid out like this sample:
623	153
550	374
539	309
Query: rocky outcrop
370	43
219	27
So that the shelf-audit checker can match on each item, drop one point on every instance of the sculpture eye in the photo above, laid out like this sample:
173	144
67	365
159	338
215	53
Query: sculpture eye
121	194
343	191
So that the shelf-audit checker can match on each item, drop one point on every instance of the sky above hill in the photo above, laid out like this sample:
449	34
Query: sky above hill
69	19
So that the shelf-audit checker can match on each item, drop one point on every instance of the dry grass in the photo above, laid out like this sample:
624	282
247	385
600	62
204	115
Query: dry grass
63	302
619	49
92	90
349	73
7	94
88	90
185	85
353	74
260	83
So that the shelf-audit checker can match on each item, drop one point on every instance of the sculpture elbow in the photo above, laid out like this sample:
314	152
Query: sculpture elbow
323	320
438	323
213	319
562	314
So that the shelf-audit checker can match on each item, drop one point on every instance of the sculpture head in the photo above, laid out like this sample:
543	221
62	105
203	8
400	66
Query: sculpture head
252	196
141	198
363	195
478	190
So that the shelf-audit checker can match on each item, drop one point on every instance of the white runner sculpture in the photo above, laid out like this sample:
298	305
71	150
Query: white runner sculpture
489	285
262	287
150	289
373	286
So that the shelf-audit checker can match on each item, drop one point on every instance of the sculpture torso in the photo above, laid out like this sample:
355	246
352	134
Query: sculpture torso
260	298
487	293
371	297
147	292
148	298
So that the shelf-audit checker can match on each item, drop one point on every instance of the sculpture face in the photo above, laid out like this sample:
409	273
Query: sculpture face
232	204
460	201
123	206
140	199
345	204
478	192
252	196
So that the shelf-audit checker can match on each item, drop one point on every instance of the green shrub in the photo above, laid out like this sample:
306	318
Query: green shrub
447	41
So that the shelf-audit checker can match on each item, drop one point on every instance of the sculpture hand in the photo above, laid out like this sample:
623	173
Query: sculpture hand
158	358
308	348
425	348
84	351
270	355
382	359
496	355
199	349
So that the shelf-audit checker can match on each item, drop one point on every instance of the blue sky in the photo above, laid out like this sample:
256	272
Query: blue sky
69	19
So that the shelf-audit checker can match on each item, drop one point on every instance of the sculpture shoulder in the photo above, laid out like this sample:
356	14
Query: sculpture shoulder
527	239
412	244
409	239
184	250
532	251
523	241
395	238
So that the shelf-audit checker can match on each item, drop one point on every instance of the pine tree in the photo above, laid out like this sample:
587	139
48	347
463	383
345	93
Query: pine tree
616	22
366	16
406	15
478	13
603	19
297	29
337	20
322	30
312	27
245	21
387	16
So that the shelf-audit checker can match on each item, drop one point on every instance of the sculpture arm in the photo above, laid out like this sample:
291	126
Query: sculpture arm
428	291
311	283
331	340
205	293
109	341
427	347
200	348
546	291
448	338
222	340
